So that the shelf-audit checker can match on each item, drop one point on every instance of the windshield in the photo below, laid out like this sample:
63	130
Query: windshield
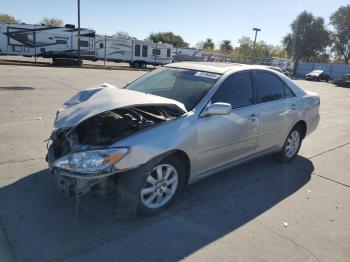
317	72
183	85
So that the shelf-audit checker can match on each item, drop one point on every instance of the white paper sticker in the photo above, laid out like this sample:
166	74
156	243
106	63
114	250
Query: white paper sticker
207	75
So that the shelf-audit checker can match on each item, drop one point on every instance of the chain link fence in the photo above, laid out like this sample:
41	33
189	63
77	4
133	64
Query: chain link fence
269	61
334	70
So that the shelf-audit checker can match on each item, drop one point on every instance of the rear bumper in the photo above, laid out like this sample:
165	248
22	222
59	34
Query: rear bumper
311	78
312	124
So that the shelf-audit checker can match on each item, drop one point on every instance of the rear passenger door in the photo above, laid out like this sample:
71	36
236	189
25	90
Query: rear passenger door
278	109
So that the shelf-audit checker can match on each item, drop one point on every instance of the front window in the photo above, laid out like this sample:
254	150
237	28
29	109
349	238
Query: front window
237	90
183	85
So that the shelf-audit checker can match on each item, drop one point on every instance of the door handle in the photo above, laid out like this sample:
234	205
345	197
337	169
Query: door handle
253	117
293	106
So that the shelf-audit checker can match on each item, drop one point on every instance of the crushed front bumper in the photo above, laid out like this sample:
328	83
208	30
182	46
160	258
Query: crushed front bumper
73	184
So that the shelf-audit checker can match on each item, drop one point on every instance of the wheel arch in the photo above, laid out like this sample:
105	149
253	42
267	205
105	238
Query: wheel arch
303	127
174	153
186	161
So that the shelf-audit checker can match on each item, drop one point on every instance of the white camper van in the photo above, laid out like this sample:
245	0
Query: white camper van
137	53
40	40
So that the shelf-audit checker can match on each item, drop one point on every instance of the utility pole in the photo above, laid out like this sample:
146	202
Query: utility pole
256	32
34	39
105	54
79	58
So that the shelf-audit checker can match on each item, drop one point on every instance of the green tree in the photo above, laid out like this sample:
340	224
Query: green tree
308	38
52	22
276	51
245	48
168	37
208	45
7	19
340	20
226	46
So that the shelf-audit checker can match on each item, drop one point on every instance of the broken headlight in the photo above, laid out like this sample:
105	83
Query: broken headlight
93	161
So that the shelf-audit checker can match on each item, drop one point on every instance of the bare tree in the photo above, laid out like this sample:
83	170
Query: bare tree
122	34
52	22
7	19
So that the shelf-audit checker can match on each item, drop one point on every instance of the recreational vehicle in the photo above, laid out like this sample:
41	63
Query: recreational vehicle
137	53
62	42
187	54
45	41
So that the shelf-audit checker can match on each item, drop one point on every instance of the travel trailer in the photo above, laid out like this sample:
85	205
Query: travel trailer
59	43
45	41
187	54
137	53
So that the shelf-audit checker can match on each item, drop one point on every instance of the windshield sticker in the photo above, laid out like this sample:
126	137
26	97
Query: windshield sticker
207	75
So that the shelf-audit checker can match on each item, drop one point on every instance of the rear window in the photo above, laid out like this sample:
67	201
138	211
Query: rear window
269	87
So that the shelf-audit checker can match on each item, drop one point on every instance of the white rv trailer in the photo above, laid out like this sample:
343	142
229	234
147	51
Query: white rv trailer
40	40
137	53
187	54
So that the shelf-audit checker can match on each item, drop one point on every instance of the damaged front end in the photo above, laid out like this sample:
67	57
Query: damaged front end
82	157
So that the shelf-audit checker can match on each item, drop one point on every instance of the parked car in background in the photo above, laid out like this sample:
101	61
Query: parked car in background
174	126
343	81
317	75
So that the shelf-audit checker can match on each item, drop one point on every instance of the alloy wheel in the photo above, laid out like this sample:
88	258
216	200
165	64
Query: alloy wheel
292	144
160	187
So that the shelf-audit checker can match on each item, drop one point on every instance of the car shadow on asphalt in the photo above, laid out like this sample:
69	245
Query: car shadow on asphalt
42	224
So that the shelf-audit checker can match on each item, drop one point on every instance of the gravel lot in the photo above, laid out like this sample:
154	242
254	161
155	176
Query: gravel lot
260	211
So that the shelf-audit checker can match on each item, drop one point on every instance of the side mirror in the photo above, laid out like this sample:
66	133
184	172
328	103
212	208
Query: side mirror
217	109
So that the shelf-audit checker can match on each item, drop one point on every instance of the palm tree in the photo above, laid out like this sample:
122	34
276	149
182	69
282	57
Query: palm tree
226	46
209	45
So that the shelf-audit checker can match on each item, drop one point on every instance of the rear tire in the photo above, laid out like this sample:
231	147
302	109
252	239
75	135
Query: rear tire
291	146
135	65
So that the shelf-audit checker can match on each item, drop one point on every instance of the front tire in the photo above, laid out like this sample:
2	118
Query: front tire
291	146
161	186
151	189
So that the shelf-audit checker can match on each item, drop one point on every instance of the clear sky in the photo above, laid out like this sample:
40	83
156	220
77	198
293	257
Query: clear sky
194	20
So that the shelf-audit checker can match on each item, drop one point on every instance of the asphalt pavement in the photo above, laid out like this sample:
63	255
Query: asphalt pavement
260	211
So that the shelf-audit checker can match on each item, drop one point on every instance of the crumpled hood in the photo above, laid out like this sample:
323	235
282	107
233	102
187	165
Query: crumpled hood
93	101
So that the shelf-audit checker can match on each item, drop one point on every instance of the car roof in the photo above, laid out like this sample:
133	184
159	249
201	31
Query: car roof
216	67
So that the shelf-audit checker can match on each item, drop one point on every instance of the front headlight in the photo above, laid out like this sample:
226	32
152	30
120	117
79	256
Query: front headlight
92	161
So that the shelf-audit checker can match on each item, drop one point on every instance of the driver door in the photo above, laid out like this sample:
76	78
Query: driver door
223	139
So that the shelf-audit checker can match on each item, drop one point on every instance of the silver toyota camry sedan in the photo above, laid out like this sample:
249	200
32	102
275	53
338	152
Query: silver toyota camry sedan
173	126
